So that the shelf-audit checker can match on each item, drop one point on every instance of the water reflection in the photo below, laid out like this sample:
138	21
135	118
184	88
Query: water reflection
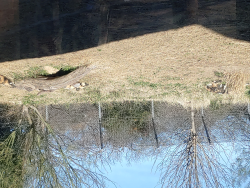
31	29
66	144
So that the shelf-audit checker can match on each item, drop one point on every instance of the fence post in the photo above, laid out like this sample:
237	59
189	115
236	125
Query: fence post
203	121
47	113
248	108
100	124
153	123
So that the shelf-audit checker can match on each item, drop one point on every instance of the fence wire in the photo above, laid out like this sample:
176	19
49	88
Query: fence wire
130	124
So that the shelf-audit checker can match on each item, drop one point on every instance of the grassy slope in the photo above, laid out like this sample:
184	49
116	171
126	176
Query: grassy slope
173	65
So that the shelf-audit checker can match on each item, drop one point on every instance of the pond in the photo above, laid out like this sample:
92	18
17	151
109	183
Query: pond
125	144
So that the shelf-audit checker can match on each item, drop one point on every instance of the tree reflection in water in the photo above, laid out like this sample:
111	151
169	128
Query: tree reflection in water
241	164
195	163
35	155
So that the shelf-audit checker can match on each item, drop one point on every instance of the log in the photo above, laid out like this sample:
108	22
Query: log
54	84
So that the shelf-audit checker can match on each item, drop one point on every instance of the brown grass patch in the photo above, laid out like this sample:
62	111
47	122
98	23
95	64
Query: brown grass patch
171	66
236	81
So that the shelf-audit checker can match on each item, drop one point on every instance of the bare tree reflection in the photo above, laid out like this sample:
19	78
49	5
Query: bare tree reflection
195	163
46	159
193	147
241	164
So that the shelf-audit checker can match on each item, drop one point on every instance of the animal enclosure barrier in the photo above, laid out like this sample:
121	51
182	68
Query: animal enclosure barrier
135	124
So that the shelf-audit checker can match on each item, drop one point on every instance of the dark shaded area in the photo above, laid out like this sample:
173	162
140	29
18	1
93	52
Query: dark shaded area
49	27
243	18
4	132
59	73
6	124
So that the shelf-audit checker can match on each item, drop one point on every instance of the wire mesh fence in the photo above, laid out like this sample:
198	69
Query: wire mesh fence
148	123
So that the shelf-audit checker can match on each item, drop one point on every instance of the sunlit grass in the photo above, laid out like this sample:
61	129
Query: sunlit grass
236	81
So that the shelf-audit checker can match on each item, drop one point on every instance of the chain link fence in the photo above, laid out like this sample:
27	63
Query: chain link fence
134	124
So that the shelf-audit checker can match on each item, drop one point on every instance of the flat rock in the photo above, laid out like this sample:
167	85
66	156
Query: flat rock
50	70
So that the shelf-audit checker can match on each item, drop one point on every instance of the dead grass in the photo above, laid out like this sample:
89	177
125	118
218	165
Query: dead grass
236	81
172	65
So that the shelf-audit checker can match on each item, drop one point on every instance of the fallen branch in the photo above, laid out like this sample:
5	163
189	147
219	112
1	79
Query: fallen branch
54	84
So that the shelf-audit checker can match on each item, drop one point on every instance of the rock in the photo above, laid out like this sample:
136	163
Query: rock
77	86
50	70
217	87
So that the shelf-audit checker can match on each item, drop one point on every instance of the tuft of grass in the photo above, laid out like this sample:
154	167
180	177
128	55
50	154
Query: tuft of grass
114	94
236	81
17	76
143	83
66	68
165	94
172	78
30	99
175	86
215	104
33	72
218	74
248	93
94	95
157	71
188	91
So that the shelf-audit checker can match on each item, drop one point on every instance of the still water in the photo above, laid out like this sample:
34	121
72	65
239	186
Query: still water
128	144
144	173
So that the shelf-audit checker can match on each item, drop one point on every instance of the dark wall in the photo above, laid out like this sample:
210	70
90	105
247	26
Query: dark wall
243	18
48	27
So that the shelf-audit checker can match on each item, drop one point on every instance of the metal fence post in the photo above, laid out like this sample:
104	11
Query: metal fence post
248	107
46	113
203	121
100	124
153	123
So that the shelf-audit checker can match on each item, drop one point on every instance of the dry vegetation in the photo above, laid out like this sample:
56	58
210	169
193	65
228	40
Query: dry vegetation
236	81
173	65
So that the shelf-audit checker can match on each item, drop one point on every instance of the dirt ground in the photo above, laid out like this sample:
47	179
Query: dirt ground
187	56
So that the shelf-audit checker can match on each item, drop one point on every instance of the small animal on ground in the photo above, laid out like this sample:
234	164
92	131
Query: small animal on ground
5	81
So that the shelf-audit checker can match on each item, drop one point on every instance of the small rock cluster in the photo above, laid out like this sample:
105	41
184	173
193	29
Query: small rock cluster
217	87
77	86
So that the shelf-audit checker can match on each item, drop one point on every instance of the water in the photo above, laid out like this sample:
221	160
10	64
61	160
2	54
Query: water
128	154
